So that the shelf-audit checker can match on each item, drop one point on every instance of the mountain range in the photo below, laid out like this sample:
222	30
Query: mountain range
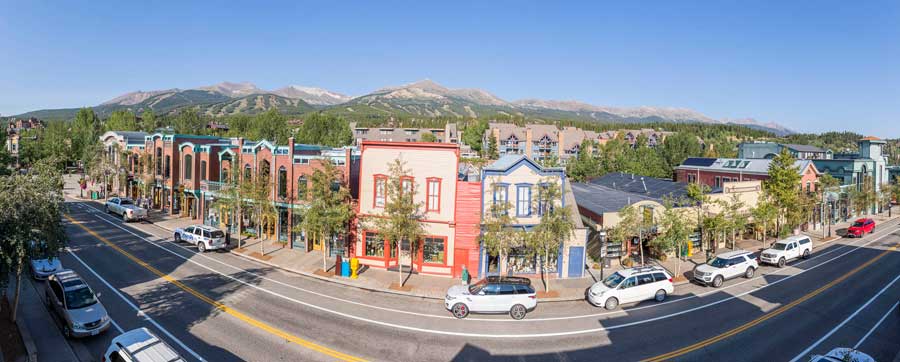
422	99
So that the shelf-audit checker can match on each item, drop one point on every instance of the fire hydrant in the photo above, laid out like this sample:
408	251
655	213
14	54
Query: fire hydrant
354	267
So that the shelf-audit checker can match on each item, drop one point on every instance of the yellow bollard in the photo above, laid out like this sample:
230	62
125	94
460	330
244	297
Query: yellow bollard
354	266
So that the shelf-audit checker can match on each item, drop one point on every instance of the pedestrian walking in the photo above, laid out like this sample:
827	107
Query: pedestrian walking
465	275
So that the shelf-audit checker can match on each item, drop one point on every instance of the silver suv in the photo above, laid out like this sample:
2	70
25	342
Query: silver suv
726	266
73	300
513	295
205	237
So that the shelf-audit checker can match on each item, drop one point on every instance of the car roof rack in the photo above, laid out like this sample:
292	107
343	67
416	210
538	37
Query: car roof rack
646	268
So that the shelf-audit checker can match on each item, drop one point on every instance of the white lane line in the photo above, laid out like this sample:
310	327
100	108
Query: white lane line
837	327
140	313
584	316
484	335
889	311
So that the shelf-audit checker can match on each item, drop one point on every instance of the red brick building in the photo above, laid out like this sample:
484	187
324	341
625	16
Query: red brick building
714	172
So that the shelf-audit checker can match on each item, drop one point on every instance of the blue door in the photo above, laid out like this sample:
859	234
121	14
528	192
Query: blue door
576	261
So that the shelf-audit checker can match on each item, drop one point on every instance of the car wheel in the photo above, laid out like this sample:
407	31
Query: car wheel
460	310
806	254
177	238
749	273
107	209
717	281
67	332
124	217
201	246
517	312
660	295
611	303
781	262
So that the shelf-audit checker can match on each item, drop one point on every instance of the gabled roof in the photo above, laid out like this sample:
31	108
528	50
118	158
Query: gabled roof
508	162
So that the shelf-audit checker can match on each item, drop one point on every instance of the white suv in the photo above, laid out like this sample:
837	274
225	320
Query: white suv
787	249
493	294
140	345
631	285
205	237
725	266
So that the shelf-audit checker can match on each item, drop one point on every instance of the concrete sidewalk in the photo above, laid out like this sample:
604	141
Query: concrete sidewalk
44	333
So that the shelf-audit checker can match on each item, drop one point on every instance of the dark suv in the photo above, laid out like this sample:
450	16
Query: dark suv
493	294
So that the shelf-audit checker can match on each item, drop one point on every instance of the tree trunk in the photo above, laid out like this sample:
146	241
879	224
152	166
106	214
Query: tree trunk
324	256
399	266
239	220
641	247
15	306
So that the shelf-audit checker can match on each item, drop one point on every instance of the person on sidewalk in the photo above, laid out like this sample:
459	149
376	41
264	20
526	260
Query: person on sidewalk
465	275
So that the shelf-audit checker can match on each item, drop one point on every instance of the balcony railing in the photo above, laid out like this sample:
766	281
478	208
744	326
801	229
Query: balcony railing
212	186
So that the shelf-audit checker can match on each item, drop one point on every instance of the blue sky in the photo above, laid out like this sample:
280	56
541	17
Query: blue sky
810	65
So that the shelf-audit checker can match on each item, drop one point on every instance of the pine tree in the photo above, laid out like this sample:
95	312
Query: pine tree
783	185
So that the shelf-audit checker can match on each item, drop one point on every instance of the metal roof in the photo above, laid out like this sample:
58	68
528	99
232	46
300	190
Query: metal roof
803	148
614	191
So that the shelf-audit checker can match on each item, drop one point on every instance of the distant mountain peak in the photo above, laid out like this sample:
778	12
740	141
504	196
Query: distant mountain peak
312	95
233	89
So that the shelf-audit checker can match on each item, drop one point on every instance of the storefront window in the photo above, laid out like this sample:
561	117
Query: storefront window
519	262
188	166
282	182
433	250
374	245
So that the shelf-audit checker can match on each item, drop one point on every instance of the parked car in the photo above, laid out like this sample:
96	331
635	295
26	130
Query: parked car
140	345
861	227
726	266
788	249
631	285
125	208
204	237
43	266
493	294
76	305
842	355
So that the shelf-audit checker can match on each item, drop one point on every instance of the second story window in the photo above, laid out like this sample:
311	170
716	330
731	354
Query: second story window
301	188
188	166
168	166
408	185
248	173
159	158
500	197
282	182
380	191
433	198
523	200
202	170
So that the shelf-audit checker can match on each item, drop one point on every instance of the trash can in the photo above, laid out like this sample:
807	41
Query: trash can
345	269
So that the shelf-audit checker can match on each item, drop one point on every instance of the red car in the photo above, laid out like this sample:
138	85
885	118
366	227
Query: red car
861	227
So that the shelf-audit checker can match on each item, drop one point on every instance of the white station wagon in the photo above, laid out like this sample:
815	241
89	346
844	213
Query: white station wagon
631	285
205	237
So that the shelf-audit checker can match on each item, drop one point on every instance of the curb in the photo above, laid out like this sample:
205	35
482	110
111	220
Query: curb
27	340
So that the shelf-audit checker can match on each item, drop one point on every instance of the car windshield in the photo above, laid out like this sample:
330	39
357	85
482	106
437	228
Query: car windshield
858	223
217	234
475	288
779	246
126	202
718	263
613	280
80	298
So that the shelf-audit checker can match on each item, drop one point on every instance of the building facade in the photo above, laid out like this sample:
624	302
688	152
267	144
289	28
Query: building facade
517	181
448	134
715	172
451	226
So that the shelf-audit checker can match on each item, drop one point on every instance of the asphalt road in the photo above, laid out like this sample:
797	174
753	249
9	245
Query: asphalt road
219	307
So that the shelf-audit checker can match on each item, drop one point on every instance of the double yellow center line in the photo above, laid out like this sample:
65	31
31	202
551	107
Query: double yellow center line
218	305
768	316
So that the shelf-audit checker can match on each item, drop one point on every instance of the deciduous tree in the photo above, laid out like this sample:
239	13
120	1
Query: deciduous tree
400	221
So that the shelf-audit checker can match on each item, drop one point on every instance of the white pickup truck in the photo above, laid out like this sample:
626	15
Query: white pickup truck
126	208
787	249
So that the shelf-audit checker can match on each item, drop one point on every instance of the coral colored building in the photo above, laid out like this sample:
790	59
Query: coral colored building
715	172
450	208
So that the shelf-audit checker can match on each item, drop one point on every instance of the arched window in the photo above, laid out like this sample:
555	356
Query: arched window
248	173
301	188
188	166
263	169
202	170
282	182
